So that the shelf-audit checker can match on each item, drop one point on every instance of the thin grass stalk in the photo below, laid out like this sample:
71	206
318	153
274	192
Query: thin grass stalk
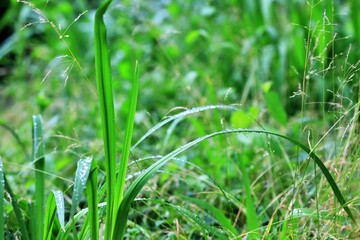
120	184
17	138
251	216
19	216
104	85
39	162
139	183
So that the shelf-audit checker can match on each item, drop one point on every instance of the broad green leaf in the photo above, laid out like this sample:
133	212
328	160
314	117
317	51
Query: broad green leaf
194	35
266	86
241	119
276	107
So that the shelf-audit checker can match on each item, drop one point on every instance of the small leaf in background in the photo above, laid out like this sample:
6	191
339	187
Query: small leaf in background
194	35
266	86
241	119
43	102
275	107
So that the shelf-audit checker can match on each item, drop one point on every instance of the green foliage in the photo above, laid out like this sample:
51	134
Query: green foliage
275	107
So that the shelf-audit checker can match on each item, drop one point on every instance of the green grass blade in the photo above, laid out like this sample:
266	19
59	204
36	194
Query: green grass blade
140	182
39	162
104	85
49	217
32	227
127	140
19	217
284	230
251	216
92	198
2	194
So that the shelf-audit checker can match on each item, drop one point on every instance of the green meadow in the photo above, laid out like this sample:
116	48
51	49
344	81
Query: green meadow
169	119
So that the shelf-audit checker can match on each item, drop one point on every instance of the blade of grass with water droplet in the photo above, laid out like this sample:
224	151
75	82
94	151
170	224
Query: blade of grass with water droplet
139	183
39	162
81	176
60	207
2	195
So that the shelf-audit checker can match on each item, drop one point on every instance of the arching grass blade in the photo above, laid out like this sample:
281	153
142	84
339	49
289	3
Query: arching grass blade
140	182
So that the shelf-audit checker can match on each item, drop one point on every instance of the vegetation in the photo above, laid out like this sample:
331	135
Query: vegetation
187	120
